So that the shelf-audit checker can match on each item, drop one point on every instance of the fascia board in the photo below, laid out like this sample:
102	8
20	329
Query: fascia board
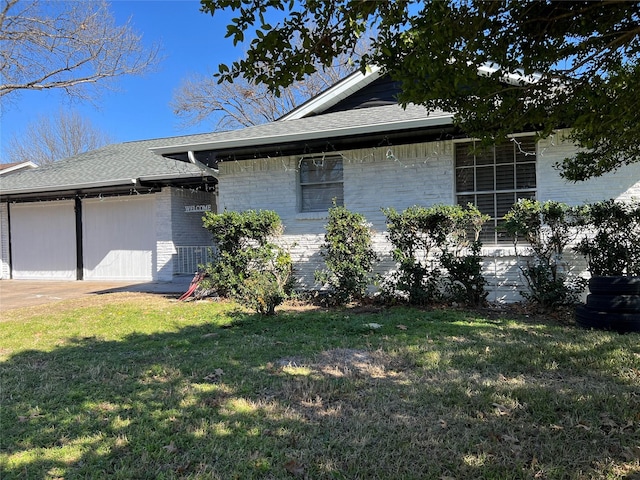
78	186
172	176
333	94
19	166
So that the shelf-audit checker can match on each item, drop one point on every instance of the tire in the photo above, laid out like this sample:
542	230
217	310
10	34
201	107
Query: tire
619	322
614	303
620	285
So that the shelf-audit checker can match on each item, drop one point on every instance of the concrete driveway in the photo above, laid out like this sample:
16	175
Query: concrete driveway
25	293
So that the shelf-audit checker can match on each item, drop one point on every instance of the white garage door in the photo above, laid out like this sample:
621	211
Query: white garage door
43	240
119	238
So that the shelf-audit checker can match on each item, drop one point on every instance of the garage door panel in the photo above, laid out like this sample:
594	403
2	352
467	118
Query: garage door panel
119	238
43	244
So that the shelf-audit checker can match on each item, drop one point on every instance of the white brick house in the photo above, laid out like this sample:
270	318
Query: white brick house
355	144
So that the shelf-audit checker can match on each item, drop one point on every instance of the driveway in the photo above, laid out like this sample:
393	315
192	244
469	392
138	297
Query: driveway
25	293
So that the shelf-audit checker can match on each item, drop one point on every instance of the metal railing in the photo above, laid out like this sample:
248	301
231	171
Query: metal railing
190	257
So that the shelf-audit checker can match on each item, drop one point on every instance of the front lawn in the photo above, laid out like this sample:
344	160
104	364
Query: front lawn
139	386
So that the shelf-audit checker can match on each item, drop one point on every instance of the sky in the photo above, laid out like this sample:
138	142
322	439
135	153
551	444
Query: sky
191	42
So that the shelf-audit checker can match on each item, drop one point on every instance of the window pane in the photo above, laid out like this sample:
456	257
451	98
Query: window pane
484	179
495	179
484	156
321	170
526	175
504	202
488	233
319	198
504	153
527	195
501	233
505	178
525	149
464	180
464	200
464	157
486	205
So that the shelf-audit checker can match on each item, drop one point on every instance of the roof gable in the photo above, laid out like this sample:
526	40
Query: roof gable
334	95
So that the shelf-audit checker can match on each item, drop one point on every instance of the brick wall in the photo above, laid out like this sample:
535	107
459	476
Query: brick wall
401	176
187	225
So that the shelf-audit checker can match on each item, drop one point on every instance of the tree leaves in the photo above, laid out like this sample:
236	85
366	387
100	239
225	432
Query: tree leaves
585	55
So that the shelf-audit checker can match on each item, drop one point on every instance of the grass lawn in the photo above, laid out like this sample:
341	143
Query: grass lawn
139	386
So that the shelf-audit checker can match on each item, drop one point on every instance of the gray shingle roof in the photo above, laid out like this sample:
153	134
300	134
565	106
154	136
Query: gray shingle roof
385	118
114	164
121	164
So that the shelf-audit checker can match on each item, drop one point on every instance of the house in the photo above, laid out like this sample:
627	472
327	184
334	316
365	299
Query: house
115	213
355	144
133	210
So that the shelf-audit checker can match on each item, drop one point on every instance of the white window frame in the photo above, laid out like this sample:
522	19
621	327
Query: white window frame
319	161
524	160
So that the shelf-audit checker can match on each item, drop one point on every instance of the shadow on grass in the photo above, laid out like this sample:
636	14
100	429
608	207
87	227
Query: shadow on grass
322	395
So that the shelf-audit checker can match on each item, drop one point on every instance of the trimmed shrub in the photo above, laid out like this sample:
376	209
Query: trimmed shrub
348	254
435	256
249	267
547	228
612	242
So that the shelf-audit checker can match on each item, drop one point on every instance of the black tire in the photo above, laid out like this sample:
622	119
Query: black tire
614	303
614	285
618	322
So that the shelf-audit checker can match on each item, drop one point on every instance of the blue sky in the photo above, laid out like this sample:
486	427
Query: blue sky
192	42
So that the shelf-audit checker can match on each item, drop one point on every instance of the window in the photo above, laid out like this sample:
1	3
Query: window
494	179
320	183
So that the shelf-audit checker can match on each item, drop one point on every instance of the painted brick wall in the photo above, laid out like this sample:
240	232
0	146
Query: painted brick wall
401	176
187	226
165	249
4	242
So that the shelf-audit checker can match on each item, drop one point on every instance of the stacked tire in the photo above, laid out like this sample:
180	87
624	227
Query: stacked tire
612	304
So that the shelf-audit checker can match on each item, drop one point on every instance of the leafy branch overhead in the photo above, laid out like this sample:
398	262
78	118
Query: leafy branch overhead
499	67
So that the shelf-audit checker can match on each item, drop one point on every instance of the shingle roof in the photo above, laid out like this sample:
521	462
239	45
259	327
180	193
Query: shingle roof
115	164
124	163
385	118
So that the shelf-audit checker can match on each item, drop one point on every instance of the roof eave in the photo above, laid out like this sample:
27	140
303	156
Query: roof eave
429	121
78	186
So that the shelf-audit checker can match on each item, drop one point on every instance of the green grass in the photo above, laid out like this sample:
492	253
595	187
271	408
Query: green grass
144	387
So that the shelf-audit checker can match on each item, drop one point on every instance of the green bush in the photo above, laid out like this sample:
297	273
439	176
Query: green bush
249	267
348	254
426	240
461	256
611	244
547	228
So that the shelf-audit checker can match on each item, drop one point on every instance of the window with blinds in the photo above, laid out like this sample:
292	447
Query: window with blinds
320	183
495	178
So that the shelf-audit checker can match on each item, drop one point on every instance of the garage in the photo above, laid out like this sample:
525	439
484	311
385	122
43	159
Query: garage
118	213
43	240
118	236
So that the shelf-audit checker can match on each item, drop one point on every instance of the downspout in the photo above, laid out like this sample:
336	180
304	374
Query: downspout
192	158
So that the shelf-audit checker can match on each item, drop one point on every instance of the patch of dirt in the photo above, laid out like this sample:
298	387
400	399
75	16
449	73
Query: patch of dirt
346	362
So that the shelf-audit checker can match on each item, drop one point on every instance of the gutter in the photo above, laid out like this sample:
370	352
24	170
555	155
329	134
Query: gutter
163	176
79	186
